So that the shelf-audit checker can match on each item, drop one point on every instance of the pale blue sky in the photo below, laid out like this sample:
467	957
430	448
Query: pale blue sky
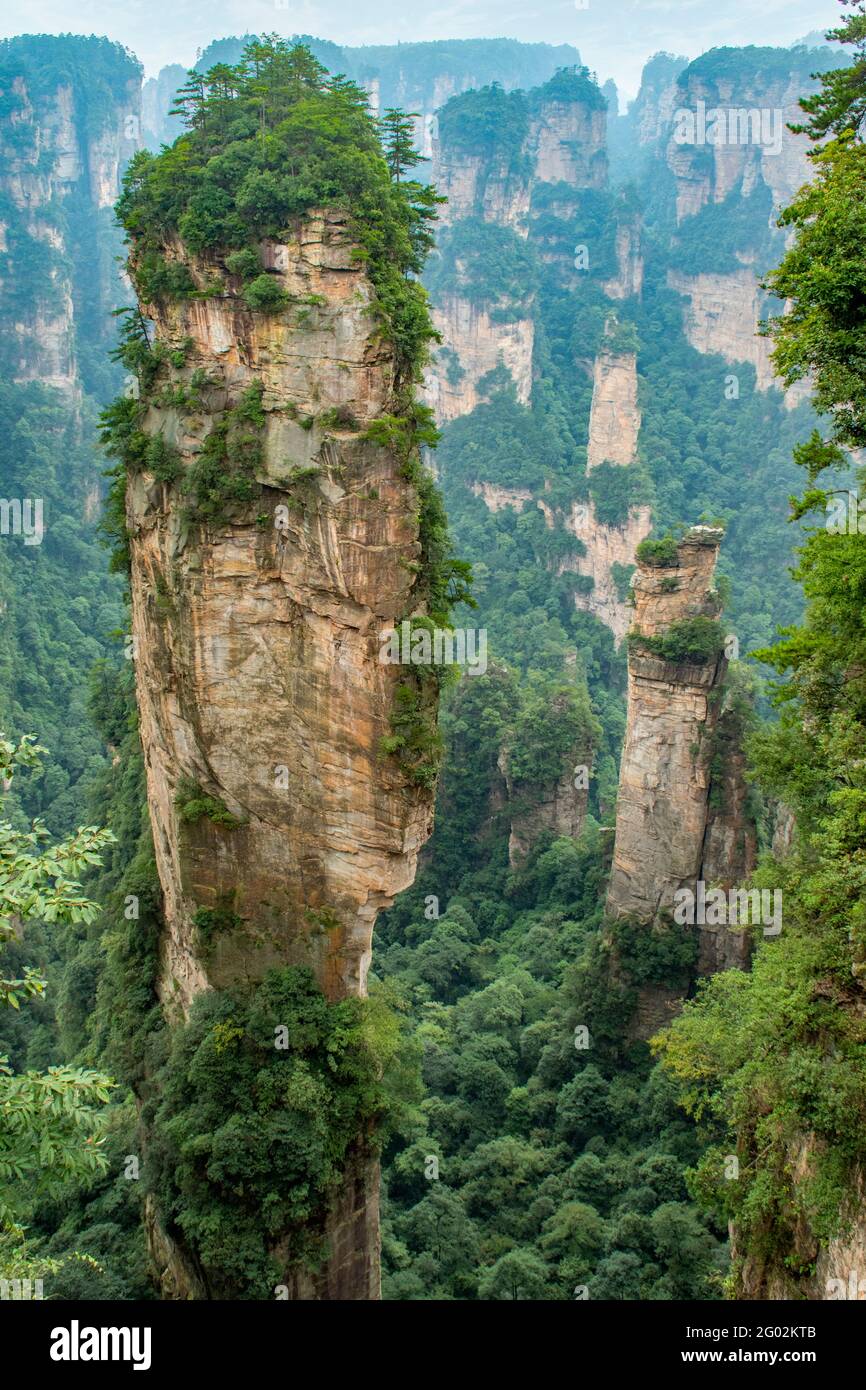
615	37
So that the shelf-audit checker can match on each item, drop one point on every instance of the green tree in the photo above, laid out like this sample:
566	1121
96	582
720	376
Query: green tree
398	141
51	1125
840	102
521	1274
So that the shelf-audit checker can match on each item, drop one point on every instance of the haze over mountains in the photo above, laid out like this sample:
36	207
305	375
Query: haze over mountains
616	463
616	38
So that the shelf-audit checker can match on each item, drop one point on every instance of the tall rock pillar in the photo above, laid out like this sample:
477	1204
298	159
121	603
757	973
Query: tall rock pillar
272	540
662	808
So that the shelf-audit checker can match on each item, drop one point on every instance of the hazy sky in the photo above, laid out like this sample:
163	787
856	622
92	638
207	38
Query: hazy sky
615	37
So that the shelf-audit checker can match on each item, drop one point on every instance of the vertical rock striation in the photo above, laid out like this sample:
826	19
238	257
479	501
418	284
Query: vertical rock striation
567	140
476	343
604	548
664	775
68	128
628	280
746	141
614	421
553	135
682	812
257	634
682	817
722	314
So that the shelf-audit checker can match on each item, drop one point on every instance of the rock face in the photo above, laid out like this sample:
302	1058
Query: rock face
727	140
614	425
664	777
495	498
562	156
475	344
731	844
614	421
60	168
628	280
559	808
566	144
836	1267
606	546
679	820
748	142
652	110
476	187
258	672
721	316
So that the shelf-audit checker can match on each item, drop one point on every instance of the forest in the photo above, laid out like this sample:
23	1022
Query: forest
535	1141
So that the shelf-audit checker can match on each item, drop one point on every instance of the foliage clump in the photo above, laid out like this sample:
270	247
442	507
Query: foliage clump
267	140
615	490
553	726
489	122
570	84
51	1122
210	922
488	265
265	1097
223	475
660	554
194	804
690	641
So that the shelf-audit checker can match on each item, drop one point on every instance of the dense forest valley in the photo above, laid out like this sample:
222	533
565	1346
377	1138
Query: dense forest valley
312	343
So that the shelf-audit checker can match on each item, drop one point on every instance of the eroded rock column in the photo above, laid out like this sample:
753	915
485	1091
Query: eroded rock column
280	827
662	808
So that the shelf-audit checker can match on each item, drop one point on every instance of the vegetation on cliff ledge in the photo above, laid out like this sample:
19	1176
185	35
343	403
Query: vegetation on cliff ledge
692	641
267	140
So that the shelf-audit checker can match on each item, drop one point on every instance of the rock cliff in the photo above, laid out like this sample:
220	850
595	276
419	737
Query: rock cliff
628	280
475	343
495	497
652	110
614	420
722	315
664	774
559	807
68	130
726	140
535	191
280	829
604	548
567	143
815	1268
478	187
682	813
562	141
258	638
738	135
